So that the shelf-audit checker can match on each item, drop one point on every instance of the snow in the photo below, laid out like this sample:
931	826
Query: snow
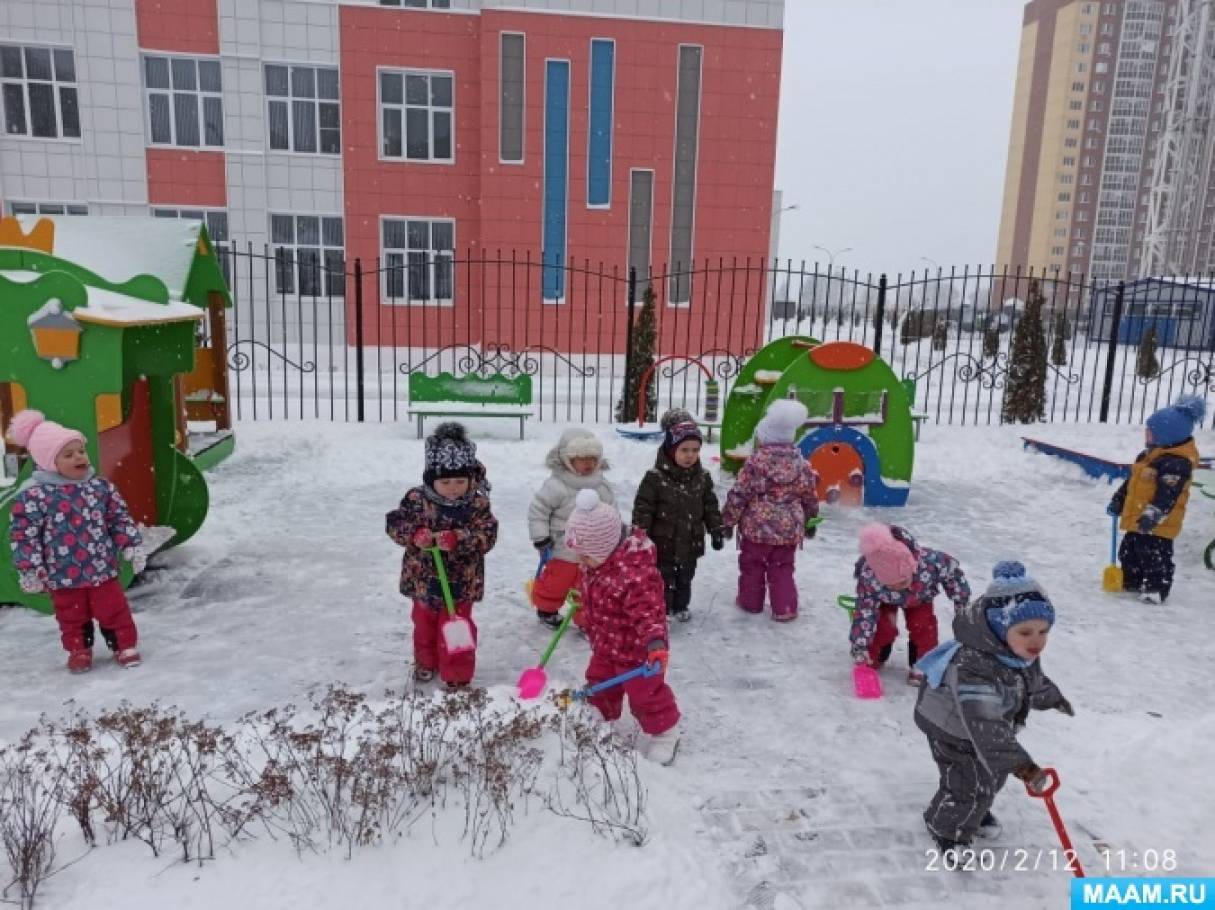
110	307
787	791
52	307
120	247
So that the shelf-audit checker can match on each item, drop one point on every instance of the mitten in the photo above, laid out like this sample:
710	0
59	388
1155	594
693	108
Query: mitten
1113	510
1035	778
860	656
718	537
727	532
658	654
811	531
1065	707
422	538
137	557
542	545
446	541
1149	518
32	583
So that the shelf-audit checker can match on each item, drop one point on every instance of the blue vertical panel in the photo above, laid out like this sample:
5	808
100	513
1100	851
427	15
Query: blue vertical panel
556	174
599	142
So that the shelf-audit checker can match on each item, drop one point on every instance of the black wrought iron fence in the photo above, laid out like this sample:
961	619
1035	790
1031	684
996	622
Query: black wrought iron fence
321	338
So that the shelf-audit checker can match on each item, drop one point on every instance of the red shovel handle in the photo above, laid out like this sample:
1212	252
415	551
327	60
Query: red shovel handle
1047	795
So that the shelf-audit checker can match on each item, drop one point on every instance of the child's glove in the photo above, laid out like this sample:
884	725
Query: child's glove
542	545
422	539
658	654
1035	778
33	582
811	531
727	532
446	541
718	537
136	557
1065	707
860	657
1149	518
1113	510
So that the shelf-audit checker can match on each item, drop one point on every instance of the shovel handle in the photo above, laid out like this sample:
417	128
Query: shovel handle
643	670
1047	795
846	602
441	570
1114	542
572	600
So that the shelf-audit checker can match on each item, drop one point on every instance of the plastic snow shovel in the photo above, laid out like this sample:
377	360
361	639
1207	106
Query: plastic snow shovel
866	682
545	555
1048	797
644	670
457	633
847	602
533	680
1111	579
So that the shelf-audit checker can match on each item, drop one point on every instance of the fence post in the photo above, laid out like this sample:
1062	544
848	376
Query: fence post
879	319
1111	350
630	402
358	336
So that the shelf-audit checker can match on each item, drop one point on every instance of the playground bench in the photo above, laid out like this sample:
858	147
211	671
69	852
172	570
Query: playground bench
446	395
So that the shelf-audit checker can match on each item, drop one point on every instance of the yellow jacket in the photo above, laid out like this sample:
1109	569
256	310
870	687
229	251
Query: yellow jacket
1159	487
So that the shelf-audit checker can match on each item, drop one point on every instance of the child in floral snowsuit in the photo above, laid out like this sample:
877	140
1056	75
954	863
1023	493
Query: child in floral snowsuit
451	511
895	573
770	503
69	526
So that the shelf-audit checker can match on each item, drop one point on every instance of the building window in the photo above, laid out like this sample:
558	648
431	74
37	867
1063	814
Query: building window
38	85
47	208
1084	48
1065	178
1086	29
599	138
216	221
1073	124
1076	105
1082	68
185	101
641	222
1077	86
687	132
309	255
1101	67
1069	161
1056	251
418	4
1096	106
1094	125
418	256
1082	198
1082	216
1103	48
302	109
1061	232
1098	88
1070	142
417	115
556	177
1065	197
510	105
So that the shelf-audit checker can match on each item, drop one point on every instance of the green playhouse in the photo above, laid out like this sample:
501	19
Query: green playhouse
860	437
104	327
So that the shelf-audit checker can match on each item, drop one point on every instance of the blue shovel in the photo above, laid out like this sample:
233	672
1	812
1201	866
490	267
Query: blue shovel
643	670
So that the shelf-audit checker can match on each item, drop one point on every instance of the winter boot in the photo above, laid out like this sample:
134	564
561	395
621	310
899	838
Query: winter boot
951	851
423	674
80	661
681	615
127	658
661	747
552	620
457	686
1151	597
989	827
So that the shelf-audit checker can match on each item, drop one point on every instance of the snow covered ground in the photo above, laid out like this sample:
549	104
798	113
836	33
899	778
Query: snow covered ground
788	792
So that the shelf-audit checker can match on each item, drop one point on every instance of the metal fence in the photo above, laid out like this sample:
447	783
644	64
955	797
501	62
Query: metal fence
319	338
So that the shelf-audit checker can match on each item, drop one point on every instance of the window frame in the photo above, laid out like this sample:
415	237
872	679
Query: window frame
386	270
321	247
223	248
57	99
198	92
611	138
290	100
38	206
428	7
522	159
404	106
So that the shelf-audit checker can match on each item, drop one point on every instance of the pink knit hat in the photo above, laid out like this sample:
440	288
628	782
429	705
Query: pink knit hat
594	527
42	438
890	559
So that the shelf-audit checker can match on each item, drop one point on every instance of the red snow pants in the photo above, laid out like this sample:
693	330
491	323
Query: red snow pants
650	698
76	608
555	581
921	623
430	648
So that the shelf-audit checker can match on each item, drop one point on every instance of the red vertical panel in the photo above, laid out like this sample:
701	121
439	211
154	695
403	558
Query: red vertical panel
184	26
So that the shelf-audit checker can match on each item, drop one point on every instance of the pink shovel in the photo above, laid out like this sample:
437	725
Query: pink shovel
866	682
457	633
533	680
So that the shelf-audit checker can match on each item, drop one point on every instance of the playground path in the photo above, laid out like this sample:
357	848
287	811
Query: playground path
787	793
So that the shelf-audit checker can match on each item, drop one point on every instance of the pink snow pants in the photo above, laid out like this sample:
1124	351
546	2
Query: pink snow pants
764	567
650	698
430	649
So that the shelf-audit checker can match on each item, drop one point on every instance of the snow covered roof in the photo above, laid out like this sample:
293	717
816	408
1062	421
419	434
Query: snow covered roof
120	247
111	308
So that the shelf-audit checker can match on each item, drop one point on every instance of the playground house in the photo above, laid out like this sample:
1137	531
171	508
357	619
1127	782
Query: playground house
106	327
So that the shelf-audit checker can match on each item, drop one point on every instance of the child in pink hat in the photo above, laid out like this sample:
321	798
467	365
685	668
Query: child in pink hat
622	597
69	526
895	573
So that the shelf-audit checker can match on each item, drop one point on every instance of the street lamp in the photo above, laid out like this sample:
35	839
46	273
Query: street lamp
831	254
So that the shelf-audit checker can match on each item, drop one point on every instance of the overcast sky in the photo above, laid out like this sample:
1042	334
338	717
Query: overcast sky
894	124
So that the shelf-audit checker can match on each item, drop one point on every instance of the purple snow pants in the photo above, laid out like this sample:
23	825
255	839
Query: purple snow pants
764	567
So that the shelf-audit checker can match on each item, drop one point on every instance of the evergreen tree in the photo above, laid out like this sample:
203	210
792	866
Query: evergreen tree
1025	389
940	335
645	336
1058	351
1147	366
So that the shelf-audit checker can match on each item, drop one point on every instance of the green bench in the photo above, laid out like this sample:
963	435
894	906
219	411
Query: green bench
446	395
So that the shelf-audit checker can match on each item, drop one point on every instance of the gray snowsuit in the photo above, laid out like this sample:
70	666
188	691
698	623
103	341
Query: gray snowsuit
972	719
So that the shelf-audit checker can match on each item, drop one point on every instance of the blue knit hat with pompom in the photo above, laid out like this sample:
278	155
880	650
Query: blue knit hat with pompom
1014	597
1175	423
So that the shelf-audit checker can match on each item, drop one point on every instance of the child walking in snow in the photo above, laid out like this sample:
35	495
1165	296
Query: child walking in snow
621	593
675	506
450	511
1151	502
770	504
576	463
976	696
69	525
895	573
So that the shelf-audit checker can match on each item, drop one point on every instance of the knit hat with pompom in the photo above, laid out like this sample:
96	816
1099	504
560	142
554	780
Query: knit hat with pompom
678	426
449	453
1014	597
43	439
594	527
780	424
891	560
1175	423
